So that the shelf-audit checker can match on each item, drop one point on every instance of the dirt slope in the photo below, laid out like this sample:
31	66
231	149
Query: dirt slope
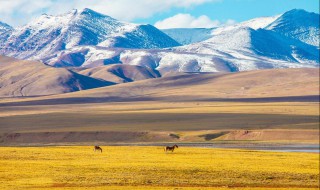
30	78
119	73
262	85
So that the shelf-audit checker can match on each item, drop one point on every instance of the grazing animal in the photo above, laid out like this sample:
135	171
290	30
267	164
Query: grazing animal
170	148
97	148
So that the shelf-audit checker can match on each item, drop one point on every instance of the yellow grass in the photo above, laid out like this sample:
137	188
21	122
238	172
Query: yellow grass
150	168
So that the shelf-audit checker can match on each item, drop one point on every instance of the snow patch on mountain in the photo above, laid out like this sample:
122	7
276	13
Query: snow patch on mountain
5	32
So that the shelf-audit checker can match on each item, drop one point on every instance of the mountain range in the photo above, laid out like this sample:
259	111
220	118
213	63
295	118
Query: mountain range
32	78
85	38
48	35
83	49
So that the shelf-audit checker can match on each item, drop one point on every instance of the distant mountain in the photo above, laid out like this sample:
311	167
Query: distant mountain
189	35
246	47
47	34
31	78
298	24
88	39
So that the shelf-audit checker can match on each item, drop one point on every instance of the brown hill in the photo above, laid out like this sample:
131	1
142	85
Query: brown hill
30	78
281	83
119	73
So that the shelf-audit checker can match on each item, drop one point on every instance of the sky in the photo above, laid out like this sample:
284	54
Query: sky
161	13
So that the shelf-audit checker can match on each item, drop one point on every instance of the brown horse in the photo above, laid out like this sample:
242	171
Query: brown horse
170	148
97	148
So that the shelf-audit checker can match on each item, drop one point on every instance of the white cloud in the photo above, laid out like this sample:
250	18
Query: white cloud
230	22
20	11
189	21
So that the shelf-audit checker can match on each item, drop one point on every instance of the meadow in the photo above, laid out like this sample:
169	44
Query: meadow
134	167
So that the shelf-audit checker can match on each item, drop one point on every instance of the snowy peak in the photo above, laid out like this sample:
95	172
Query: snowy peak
47	34
89	39
298	24
260	22
139	36
236	39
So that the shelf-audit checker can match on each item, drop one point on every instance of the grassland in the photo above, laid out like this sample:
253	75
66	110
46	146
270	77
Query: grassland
122	167
191	121
161	116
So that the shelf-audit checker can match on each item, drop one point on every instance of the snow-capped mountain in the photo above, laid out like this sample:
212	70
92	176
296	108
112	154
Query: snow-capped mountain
48	34
161	59
187	36
248	49
252	52
5	32
298	24
89	39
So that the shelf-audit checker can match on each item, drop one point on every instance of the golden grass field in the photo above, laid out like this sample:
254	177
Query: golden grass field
133	167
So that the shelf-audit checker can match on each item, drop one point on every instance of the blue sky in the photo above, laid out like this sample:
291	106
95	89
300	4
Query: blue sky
163	13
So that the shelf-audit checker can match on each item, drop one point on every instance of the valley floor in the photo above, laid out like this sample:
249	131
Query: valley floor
156	121
132	167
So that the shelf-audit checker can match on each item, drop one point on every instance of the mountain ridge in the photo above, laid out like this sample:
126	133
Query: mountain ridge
49	34
250	45
298	24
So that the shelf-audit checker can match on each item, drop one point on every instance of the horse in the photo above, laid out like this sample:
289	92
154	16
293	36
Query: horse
170	148
97	148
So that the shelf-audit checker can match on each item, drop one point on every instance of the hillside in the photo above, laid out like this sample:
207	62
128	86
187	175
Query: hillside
30	78
118	73
253	84
5	32
261	85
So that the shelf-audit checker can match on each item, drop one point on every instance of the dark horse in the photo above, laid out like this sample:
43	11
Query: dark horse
170	148
97	148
